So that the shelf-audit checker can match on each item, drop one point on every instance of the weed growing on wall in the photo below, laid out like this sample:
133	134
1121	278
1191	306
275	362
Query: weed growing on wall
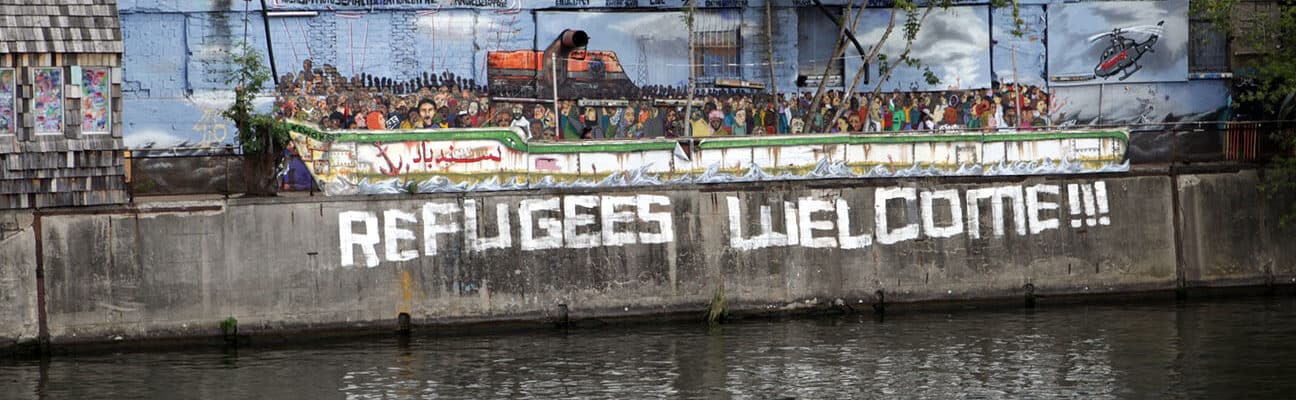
262	137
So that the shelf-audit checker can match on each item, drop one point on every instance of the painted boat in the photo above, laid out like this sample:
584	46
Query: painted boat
351	162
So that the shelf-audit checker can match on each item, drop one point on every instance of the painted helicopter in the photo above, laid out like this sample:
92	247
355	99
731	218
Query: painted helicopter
1123	53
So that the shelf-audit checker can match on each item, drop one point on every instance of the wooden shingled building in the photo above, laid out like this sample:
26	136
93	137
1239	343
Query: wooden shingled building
60	104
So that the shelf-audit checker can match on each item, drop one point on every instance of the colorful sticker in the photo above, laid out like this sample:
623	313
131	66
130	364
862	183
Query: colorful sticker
94	100
7	115
49	100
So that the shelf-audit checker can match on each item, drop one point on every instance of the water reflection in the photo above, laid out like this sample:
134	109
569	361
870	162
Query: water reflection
1222	349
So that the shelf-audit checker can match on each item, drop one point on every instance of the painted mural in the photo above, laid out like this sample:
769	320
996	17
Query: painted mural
392	65
48	103
8	122
954	44
324	97
95	97
1118	41
1020	58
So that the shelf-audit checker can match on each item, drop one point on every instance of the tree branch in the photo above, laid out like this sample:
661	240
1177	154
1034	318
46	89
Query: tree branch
873	53
905	54
837	53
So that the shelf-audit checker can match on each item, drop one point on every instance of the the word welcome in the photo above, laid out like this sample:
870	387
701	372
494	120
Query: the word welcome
824	223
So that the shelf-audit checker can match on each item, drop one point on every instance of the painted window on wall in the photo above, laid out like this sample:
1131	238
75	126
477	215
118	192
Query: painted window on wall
8	91
816	40
48	104
95	101
717	44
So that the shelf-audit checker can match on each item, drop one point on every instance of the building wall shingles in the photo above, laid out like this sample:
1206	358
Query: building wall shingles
44	25
69	169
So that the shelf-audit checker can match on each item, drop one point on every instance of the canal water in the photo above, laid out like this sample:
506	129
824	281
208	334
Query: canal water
1234	348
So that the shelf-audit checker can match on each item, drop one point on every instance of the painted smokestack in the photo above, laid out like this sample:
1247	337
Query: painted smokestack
562	46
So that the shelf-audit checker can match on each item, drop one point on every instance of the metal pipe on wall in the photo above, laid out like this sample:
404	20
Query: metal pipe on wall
265	19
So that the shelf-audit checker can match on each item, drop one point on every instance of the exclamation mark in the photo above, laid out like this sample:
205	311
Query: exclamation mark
1088	192
1073	191
1100	193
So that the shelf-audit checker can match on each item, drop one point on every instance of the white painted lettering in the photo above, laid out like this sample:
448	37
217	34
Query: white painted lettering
1087	193
472	235
611	218
844	236
808	206
736	239
790	223
885	235
1019	209
665	224
766	237
1100	193
551	228
573	220
589	221
1035	205
431	228
974	210
393	234
951	197
349	239
1073	194
996	197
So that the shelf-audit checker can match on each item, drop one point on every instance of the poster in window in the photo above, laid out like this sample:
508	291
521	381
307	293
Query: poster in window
95	100
7	90
48	107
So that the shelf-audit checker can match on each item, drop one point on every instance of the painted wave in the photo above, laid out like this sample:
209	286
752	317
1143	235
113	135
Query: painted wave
640	177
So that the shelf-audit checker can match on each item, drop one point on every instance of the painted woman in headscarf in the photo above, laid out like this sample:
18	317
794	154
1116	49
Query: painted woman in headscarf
614	123
626	124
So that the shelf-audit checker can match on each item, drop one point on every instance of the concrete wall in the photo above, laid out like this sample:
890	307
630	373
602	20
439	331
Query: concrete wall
1231	232
18	322
178	269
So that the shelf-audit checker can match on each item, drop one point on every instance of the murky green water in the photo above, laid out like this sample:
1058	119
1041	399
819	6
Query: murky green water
1242	348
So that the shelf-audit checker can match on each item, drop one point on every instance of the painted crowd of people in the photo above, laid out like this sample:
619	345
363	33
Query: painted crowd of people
325	97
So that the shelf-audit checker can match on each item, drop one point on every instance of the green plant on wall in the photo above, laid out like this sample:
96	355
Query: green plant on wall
717	310
261	137
249	78
1268	29
229	327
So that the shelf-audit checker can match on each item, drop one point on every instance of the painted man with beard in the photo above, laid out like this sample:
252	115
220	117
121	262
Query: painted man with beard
699	125
427	113
520	122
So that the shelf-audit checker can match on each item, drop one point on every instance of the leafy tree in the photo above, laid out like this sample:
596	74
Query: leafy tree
1268	79
261	136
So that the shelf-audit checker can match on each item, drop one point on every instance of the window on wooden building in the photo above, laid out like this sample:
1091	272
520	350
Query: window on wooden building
96	100
1207	47
8	99
47	106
